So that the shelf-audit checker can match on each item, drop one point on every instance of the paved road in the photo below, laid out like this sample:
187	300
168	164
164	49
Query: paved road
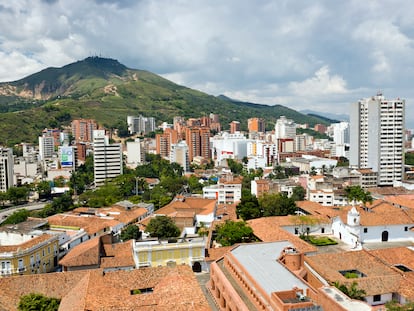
31	207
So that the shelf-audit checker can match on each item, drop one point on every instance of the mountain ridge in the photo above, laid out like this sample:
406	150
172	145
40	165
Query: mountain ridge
106	90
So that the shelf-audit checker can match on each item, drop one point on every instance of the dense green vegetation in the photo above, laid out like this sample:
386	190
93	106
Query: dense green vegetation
409	158
17	217
130	232
232	232
351	290
319	241
162	227
270	204
38	302
105	90
356	194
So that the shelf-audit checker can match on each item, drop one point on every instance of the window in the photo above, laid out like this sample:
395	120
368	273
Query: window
377	298
405	228
296	231
365	230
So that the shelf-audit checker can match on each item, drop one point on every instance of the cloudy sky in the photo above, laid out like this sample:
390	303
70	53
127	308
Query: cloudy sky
317	55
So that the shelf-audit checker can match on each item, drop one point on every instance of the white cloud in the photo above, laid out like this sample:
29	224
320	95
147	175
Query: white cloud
322	83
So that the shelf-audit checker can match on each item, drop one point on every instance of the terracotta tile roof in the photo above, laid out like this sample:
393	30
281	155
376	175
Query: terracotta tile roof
116	212
386	191
173	289
216	253
118	255
49	284
395	256
267	229
378	213
90	224
379	277
84	254
226	211
27	245
401	200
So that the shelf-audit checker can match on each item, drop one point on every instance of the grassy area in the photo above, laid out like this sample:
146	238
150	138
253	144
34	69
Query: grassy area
319	240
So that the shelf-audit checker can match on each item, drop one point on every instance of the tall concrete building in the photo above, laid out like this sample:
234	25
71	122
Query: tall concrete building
376	137
256	125
107	158
179	154
140	124
234	127
6	169
198	141
135	152
82	129
285	128
46	147
164	142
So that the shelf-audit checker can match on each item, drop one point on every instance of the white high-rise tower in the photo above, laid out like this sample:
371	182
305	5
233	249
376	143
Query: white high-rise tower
107	158
376	137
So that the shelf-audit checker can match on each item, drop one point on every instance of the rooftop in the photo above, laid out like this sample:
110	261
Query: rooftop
261	262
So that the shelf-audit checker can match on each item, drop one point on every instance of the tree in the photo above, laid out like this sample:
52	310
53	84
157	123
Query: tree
248	208
3	197
130	232
235	167
357	194
17	217
298	193
17	194
38	302
162	227
43	189
232	232
60	204
277	204
351	290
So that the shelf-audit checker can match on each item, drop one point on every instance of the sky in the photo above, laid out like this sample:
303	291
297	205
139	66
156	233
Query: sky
306	55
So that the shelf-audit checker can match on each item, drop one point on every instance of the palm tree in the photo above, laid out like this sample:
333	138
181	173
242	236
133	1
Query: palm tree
356	194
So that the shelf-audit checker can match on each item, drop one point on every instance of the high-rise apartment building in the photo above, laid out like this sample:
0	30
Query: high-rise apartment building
376	137
234	127
6	169
82	130
179	154
164	142
285	128
256	125
135	152
198	141
140	124
107	158
46	147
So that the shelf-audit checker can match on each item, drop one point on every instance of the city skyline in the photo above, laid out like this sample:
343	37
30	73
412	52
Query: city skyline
268	52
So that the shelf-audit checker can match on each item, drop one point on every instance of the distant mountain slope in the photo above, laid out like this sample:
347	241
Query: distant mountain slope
108	91
330	117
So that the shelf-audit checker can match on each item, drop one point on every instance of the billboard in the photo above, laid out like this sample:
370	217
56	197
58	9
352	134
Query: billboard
66	156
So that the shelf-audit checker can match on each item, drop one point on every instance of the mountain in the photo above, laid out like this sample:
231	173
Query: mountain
107	91
327	115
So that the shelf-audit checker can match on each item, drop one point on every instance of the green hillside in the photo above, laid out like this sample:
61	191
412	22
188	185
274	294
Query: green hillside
108	91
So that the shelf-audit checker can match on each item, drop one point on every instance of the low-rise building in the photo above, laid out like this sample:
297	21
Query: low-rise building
26	249
183	251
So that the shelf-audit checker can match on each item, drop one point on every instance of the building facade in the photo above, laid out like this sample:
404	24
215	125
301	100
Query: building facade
256	125
376	137
23	253
6	169
107	158
82	129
